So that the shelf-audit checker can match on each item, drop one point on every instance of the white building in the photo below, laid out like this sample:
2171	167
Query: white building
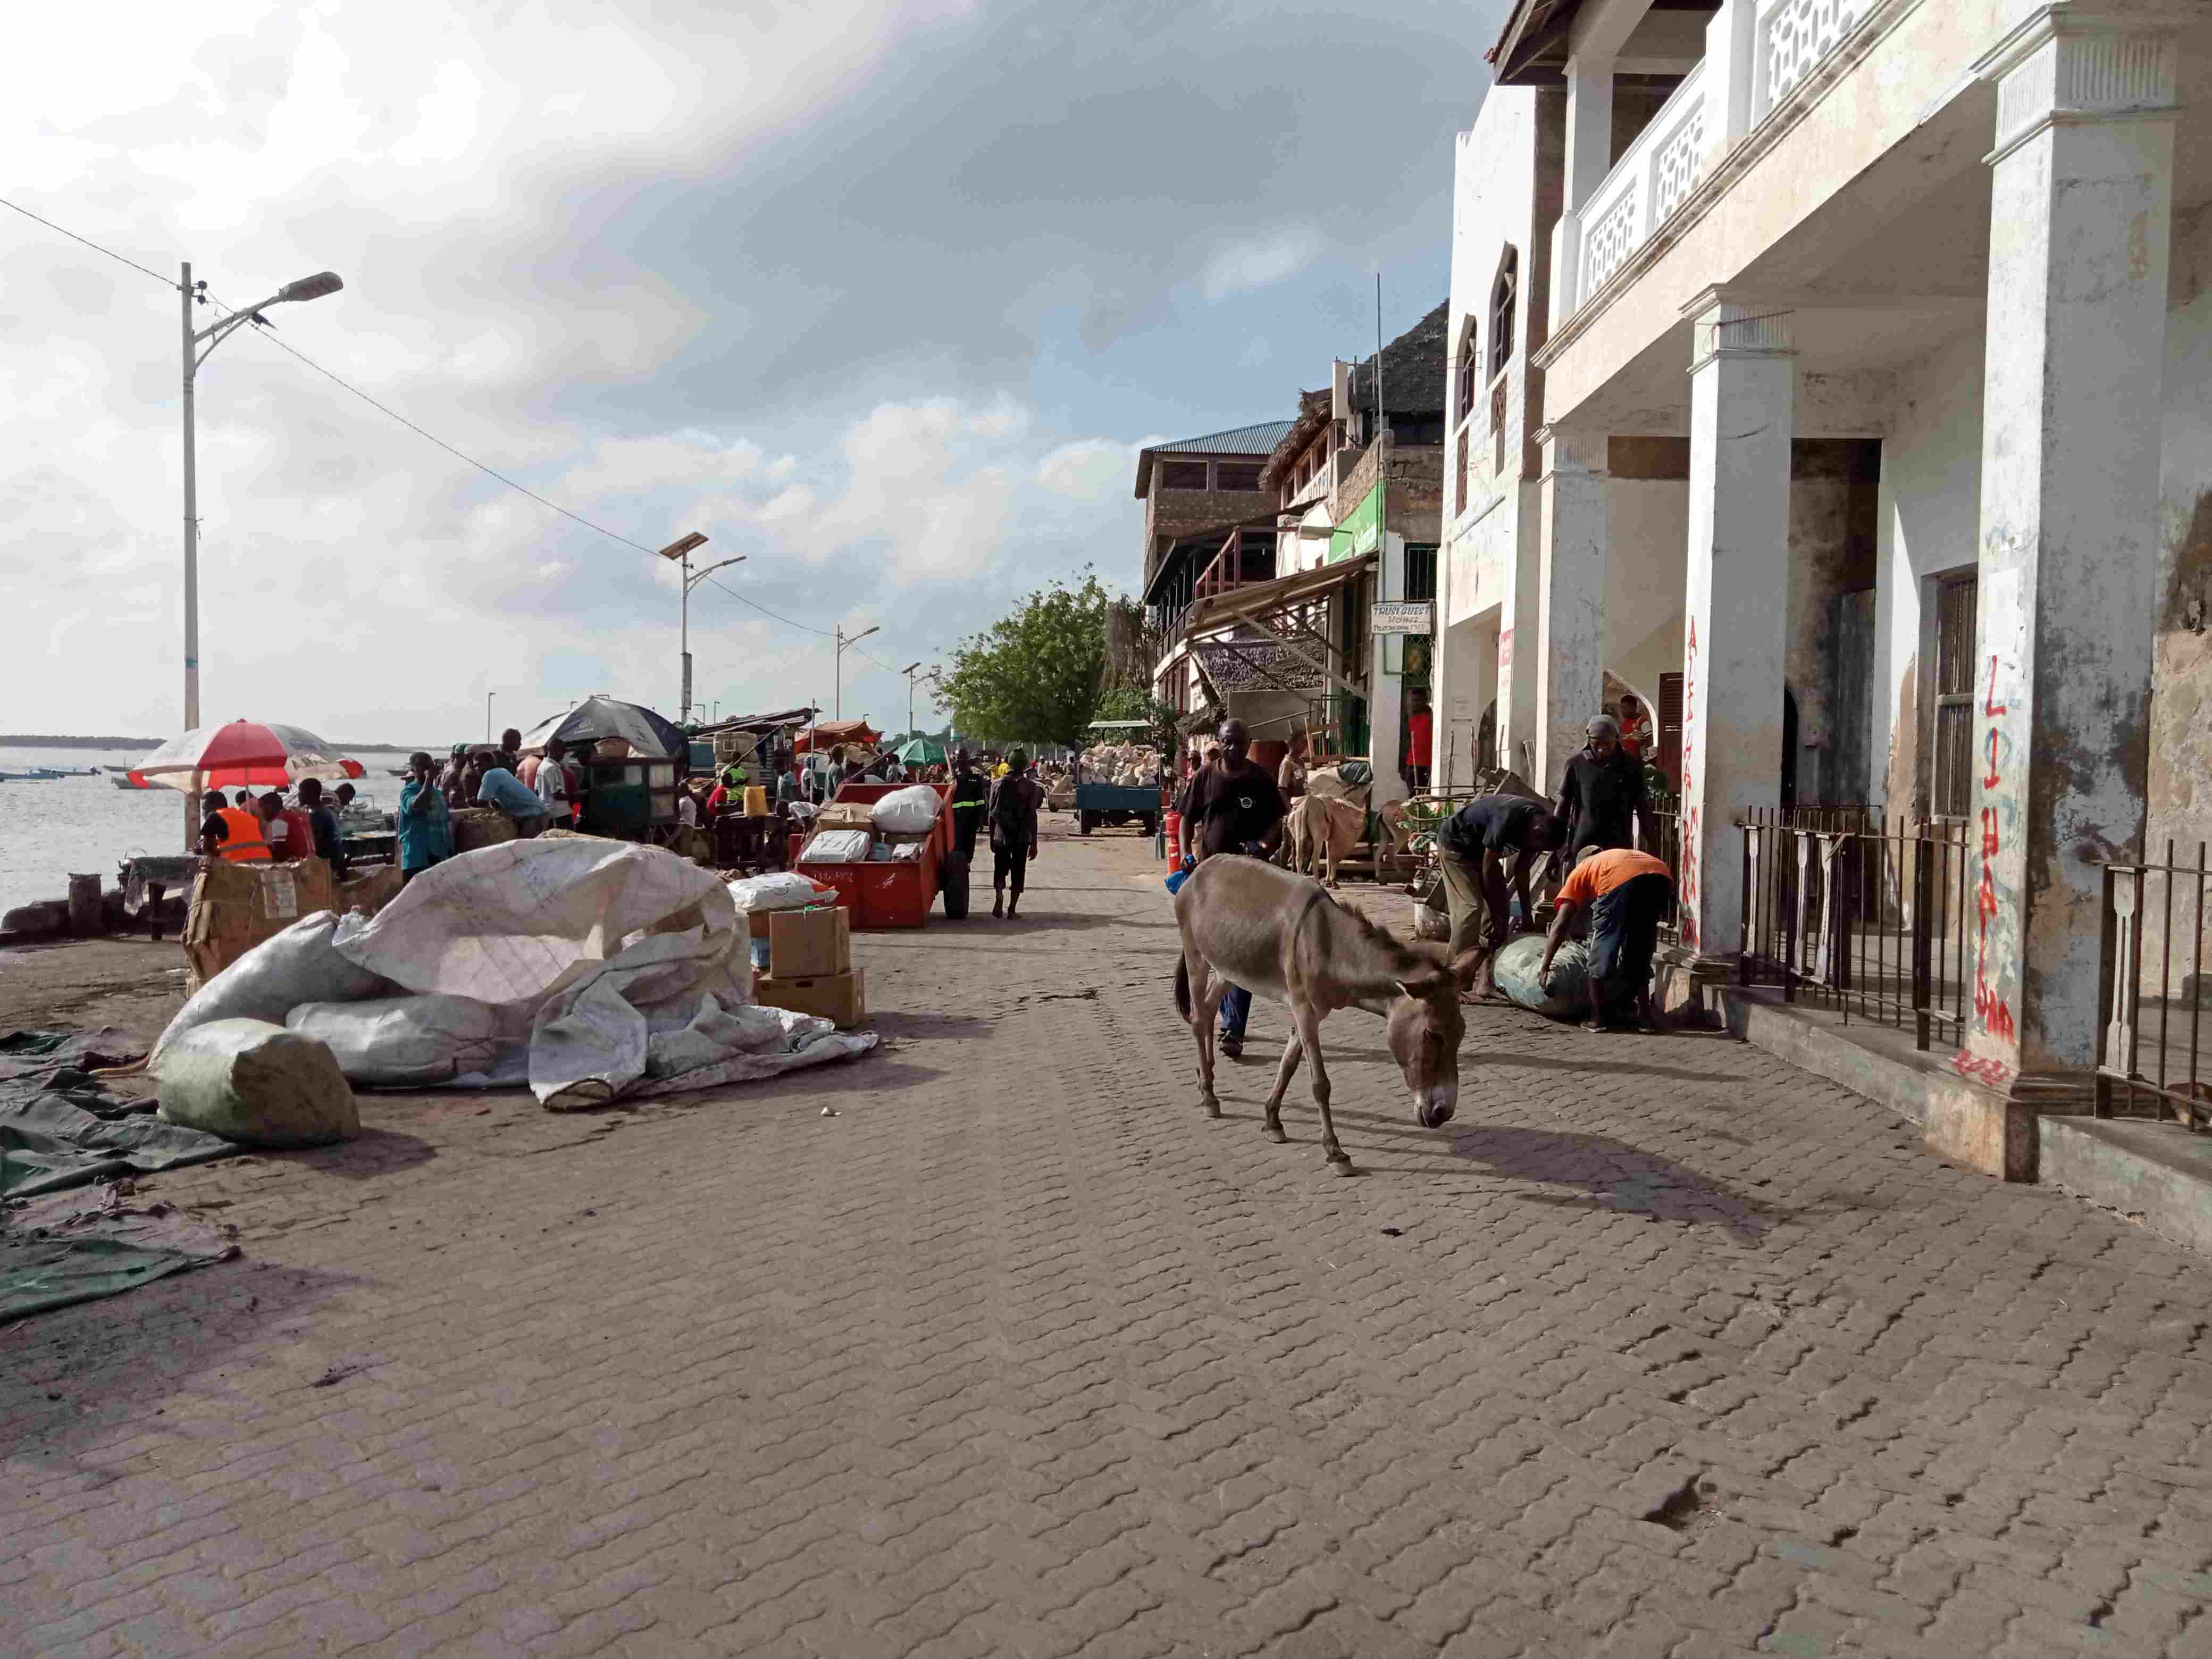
1835	374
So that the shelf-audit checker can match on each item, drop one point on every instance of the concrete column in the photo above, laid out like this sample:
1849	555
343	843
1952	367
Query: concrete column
1520	624
1570	642
2081	181
1466	664
1742	396
1386	691
1588	158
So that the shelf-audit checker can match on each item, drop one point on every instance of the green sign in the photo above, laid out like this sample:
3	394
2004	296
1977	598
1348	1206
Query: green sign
1356	538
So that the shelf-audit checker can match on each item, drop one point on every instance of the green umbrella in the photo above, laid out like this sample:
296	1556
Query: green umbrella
920	751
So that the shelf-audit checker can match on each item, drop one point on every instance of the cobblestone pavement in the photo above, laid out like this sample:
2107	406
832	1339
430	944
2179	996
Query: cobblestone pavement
1661	1348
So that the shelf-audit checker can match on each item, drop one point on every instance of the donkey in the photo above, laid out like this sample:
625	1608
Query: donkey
1281	936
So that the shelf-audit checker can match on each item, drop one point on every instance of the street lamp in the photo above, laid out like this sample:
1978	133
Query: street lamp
837	699
680	551
489	696
306	288
908	671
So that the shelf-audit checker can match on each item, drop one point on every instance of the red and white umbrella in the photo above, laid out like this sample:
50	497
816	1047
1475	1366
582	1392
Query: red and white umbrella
243	754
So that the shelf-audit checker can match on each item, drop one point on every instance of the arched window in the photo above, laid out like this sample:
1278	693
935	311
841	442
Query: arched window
1503	293
1470	370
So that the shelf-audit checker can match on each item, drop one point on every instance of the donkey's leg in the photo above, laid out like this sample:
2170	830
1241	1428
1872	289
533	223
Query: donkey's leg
1309	1030
1292	1052
1206	989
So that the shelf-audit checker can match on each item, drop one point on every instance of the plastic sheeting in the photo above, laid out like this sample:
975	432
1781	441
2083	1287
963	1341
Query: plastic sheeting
627	962
49	1142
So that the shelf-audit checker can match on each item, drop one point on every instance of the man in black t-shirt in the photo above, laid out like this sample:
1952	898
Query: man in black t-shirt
1472	845
1231	806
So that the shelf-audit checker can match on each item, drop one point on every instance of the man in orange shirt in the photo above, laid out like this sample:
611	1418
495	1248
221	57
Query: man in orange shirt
1627	893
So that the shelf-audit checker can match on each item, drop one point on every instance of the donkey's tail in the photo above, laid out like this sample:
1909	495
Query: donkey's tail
1182	986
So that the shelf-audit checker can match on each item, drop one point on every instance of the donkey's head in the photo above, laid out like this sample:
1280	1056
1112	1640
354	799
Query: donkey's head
1424	1026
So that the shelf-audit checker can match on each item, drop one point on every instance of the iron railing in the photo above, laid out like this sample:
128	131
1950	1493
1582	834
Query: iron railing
2150	1041
1864	916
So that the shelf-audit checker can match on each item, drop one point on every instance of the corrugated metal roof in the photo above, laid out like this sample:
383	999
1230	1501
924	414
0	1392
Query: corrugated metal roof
1259	440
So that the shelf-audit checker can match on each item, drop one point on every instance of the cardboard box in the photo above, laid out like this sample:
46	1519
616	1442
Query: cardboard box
759	922
844	814
811	943
841	997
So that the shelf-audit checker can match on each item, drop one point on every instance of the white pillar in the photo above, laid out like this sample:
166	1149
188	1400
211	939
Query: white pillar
1571	585
1588	158
1386	682
2081	201
1520	624
1742	386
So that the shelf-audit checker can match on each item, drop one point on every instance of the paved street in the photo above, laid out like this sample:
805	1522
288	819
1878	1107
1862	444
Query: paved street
1661	1348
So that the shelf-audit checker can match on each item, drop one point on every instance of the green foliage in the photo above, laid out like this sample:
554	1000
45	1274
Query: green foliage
1033	676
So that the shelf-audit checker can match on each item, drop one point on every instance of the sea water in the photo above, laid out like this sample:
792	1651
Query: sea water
57	826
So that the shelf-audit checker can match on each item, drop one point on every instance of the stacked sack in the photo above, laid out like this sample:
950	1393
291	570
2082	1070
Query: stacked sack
1131	765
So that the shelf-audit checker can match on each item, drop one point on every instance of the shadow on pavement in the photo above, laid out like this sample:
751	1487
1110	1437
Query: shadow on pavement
69	1376
373	1153
1618	1177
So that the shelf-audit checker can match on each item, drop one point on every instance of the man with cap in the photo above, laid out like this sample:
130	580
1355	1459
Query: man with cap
1602	791
1231	804
1472	845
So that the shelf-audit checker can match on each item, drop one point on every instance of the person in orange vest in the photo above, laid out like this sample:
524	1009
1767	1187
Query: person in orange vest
244	841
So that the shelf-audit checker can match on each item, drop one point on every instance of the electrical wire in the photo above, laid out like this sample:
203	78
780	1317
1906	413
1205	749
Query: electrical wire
164	281
269	335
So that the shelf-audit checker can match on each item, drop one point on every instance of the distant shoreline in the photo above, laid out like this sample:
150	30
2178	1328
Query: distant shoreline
19	740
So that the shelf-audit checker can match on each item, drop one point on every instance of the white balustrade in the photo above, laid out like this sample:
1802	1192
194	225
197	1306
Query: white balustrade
1793	37
1757	51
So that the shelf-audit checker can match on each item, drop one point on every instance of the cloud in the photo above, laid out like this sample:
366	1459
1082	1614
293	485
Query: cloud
881	293
1244	266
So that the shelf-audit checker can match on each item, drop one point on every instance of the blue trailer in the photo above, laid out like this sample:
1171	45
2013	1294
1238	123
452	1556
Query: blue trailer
1099	805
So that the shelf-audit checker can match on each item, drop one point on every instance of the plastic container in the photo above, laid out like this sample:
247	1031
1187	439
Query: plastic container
1175	835
756	800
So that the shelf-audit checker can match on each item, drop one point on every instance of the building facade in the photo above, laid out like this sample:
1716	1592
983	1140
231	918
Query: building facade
1833	373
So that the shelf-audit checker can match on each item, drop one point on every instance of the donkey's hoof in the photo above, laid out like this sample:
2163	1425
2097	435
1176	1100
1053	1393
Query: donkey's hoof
1274	1133
1211	1106
1340	1163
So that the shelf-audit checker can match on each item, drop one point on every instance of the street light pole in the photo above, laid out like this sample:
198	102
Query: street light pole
680	551
908	671
189	292
489	696
837	697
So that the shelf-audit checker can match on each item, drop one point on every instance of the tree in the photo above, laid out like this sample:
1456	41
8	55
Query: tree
1034	675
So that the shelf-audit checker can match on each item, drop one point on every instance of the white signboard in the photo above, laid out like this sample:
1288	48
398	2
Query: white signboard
1393	617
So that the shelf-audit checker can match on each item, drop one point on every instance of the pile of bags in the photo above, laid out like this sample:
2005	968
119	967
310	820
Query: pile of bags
1131	765
588	969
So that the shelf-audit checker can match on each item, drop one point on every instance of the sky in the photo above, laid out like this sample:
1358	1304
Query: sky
885	298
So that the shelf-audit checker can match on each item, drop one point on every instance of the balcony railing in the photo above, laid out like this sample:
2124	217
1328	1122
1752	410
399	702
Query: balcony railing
1757	52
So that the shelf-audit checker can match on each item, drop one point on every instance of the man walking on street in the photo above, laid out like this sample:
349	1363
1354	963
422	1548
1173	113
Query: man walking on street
1471	847
1602	791
1231	806
1627	892
1013	810
969	792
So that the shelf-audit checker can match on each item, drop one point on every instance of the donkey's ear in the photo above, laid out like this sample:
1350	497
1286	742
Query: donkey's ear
1421	990
1463	966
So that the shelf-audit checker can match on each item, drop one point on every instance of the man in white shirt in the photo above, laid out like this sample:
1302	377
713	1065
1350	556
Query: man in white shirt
553	779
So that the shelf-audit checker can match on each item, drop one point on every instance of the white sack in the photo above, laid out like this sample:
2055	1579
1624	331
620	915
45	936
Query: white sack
258	1084
781	891
837	847
907	811
404	1041
301	964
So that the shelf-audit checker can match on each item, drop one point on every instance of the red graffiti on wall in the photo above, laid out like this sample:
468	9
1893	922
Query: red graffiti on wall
1994	1074
1989	1007
1692	790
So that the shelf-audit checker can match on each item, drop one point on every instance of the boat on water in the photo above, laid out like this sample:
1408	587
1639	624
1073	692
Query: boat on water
28	777
123	780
